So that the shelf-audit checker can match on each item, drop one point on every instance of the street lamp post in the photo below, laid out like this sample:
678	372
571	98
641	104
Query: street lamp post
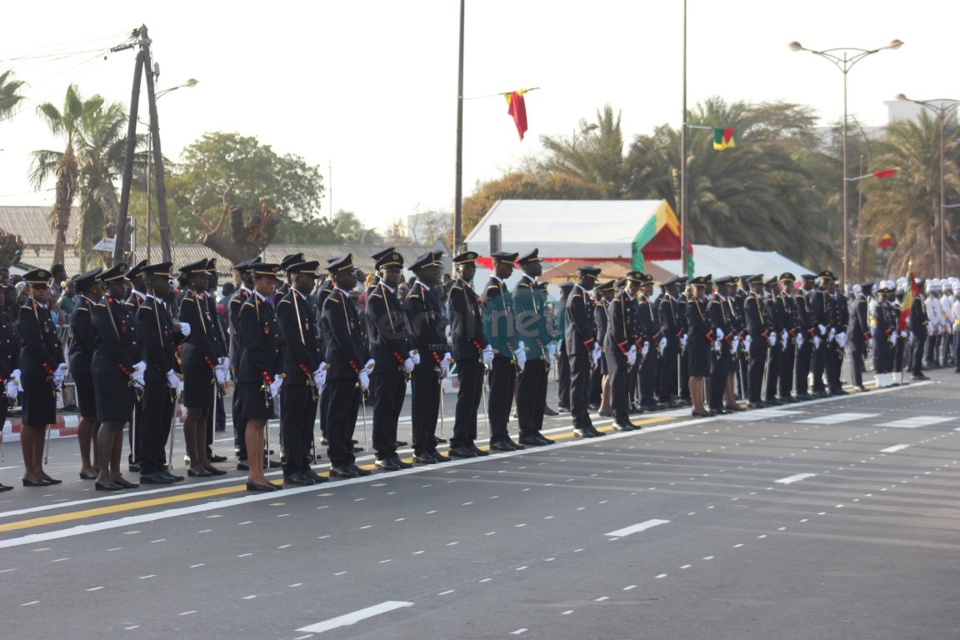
192	82
844	58
942	107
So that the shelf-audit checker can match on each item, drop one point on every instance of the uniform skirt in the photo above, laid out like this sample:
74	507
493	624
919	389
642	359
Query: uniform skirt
86	396
39	401
253	401
115	398
198	387
698	360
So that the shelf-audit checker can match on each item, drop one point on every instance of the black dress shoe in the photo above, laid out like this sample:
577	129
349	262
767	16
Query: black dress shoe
531	441
480	453
297	478
203	473
126	484
358	449
563	409
437	440
107	487
343	472
215	472
606	414
133	467
545	440
502	445
700	414
424	458
401	444
582	433
596	432
623	427
361	472
4	487
217	458
157	477
42	482
461	452
313	475
271	464
734	408
547	411
387	464
516	445
52	480
88	476
176	478
397	460
439	457
243	465
263	488
324	442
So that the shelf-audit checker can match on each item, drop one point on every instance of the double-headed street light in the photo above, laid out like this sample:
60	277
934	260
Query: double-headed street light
844	58
943	107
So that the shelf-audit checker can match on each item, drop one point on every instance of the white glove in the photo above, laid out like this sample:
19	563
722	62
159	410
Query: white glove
551	351
662	344
816	342
785	338
59	374
364	379
717	345
487	355
172	380
415	356
841	340
683	340
632	355
320	375
823	329
645	349
275	386
12	389
137	377
903	334
870	344
911	338
747	343
408	365
185	329
371	364
597	352
832	335
15	375
220	375
735	344
772	339
719	335
893	338
225	363
799	340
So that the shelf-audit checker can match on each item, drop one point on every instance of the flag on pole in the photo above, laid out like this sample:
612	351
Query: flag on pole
911	291
724	139
886	173
517	110
885	242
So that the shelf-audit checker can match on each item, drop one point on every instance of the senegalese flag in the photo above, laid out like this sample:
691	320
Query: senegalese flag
517	110
885	242
724	139
910	292
885	173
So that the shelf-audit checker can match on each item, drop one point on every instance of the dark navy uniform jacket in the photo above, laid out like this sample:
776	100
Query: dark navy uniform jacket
347	351
117	349
386	330
426	322
42	352
466	322
260	360
83	337
201	349
159	339
303	351
9	347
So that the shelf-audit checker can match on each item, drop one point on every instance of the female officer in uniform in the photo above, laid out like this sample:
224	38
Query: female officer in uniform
82	344
43	371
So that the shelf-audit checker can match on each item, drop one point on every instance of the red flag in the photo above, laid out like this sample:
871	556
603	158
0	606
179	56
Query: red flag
518	110
910	292
885	242
886	173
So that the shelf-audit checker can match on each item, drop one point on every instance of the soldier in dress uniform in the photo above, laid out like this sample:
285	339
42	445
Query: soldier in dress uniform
820	309
605	291
684	380
82	343
760	337
839	320
583	350
10	373
350	367
808	327
136	286
742	372
722	321
859	332
217	419
118	375
394	355
244	269
306	373
620	348
160	336
793	335
669	314
649	344
426	322
700	338
531	327
883	335
509	353
324	290
260	369
775	352
563	362
43	372
919	324
472	353
202	366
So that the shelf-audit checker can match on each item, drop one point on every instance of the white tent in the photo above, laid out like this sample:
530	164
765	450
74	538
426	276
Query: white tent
736	261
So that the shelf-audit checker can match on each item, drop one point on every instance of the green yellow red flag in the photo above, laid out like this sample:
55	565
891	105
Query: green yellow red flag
724	139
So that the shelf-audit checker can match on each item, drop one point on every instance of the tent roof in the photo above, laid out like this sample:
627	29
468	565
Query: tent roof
565	228
735	261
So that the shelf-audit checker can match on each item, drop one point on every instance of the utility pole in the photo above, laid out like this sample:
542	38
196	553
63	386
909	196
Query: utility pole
143	61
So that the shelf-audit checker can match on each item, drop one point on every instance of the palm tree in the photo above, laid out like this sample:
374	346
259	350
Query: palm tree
95	138
9	94
908	205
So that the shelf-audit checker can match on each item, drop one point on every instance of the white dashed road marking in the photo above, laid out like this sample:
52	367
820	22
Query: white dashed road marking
837	418
356	616
636	528
895	448
796	478
915	422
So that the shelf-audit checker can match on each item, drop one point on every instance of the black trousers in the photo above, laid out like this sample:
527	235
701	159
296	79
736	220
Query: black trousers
563	379
153	428
804	356
857	353
744	381
619	381
774	354
834	361
470	373
758	358
343	405
298	411
819	365
239	427
788	357
667	373
532	396
916	365
425	408
596	386
718	377
648	377
133	433
580	390
503	376
389	389
684	376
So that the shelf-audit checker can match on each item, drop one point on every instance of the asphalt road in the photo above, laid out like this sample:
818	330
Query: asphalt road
829	519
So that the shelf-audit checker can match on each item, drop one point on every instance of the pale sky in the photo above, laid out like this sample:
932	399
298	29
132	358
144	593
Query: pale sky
370	86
